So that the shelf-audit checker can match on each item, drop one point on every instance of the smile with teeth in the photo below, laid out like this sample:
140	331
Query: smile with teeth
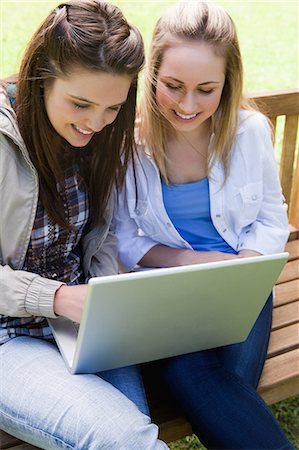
82	131
186	117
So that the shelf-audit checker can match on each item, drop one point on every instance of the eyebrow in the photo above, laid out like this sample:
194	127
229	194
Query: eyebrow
199	84
81	99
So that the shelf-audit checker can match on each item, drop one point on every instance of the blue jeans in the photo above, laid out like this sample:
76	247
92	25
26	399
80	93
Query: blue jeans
42	403
216	389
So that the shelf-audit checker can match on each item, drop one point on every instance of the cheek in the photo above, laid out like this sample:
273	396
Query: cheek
213	102
163	98
111	117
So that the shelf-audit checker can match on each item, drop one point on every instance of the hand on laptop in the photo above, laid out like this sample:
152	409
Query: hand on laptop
69	301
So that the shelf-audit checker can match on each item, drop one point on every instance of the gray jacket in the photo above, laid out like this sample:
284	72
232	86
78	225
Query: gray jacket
24	294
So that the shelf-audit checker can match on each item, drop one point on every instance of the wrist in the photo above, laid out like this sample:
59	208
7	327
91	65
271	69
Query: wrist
59	300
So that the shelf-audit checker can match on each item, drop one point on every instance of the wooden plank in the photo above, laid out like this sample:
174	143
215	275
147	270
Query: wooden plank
7	441
288	154
289	272
294	205
175	429
277	103
292	248
286	293
288	388
279	371
273	121
284	340
294	231
285	315
25	447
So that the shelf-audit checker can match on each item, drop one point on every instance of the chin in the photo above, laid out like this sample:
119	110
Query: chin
76	144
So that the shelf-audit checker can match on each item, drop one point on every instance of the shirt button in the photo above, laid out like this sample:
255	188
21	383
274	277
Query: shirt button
169	224
140	232
218	215
223	231
254	197
137	212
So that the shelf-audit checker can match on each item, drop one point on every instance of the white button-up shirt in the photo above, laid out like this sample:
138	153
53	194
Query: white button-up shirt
248	209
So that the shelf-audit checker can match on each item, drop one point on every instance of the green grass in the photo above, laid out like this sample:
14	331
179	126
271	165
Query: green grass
268	33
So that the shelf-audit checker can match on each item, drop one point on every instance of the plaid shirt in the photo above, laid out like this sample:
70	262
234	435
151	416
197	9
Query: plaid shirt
53	252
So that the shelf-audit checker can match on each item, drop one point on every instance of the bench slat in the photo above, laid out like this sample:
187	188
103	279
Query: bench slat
290	272
273	121
284	340
294	233
294	205
292	248
288	154
174	429
286	293
24	447
7	441
285	315
277	103
280	378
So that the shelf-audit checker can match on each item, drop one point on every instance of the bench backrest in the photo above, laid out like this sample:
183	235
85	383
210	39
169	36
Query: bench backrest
285	103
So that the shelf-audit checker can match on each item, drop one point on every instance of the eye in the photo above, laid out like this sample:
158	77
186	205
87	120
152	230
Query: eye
172	87
206	92
80	106
114	108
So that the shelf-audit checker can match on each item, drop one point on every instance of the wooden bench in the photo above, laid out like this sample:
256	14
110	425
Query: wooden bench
280	378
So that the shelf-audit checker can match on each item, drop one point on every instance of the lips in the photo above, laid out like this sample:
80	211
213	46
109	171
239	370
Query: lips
81	131
185	117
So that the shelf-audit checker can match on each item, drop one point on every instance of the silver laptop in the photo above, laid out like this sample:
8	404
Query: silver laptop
144	316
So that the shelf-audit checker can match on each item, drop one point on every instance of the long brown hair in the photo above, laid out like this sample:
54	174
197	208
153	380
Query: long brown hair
91	35
198	21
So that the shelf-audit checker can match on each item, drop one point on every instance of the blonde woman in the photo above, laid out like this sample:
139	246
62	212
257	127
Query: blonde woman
207	190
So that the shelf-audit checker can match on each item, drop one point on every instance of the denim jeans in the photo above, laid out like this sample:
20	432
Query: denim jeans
42	403
216	389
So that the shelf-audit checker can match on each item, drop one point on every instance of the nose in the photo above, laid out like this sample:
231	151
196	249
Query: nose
95	122
188	103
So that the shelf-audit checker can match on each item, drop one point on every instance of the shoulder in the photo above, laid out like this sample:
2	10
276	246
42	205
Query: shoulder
8	118
143	158
252	123
253	140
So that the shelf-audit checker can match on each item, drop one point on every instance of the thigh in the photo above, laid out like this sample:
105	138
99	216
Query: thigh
128	380
247	358
183	372
42	403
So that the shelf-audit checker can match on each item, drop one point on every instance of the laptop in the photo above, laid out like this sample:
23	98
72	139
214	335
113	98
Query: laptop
143	316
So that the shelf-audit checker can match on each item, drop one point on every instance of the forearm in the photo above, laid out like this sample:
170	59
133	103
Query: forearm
247	253
163	256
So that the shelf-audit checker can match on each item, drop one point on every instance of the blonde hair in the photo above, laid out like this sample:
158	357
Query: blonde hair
202	22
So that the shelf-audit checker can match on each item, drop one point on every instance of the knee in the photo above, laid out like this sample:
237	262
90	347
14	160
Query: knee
136	434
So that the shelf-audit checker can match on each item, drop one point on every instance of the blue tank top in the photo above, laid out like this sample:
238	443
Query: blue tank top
188	207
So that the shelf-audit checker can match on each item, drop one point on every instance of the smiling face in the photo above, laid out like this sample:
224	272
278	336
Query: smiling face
189	85
83	103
